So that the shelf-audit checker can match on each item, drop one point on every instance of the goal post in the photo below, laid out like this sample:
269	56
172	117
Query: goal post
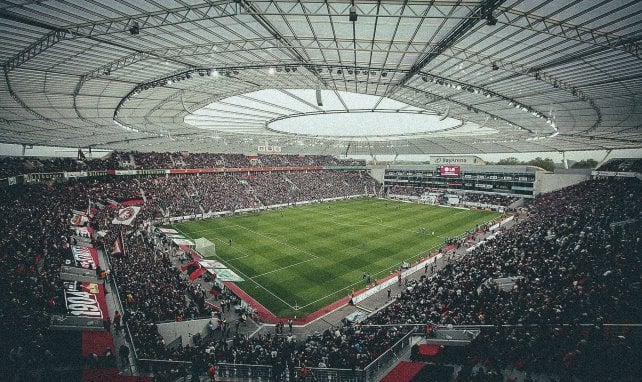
205	247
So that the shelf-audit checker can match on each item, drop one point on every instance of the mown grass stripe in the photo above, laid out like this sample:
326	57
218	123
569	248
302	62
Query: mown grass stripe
309	256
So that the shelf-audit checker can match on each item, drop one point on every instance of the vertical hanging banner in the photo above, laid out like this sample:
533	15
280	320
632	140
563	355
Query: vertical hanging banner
126	215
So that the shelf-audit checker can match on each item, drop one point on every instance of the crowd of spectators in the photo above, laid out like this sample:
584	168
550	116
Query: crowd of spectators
573	268
622	165
294	187
465	198
35	236
12	166
33	242
574	273
405	190
488	199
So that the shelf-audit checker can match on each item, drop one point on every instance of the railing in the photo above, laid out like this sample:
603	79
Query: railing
246	372
337	375
382	362
147	366
243	372
114	284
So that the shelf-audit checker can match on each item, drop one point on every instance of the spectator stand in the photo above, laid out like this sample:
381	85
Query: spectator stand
577	270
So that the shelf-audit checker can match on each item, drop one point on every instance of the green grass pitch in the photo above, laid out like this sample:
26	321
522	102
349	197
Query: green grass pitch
297	260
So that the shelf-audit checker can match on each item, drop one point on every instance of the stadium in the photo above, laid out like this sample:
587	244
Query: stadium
398	191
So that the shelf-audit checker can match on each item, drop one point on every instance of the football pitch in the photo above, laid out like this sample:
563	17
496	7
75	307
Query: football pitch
297	260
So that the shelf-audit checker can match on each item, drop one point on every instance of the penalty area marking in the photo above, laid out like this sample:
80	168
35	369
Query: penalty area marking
243	274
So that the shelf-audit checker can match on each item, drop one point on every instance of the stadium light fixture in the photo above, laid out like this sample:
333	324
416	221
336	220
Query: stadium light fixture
134	29
353	13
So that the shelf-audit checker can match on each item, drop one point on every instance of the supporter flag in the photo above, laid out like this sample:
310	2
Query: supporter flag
118	247
79	219
190	264
133	202
194	270
197	273
85	234
126	215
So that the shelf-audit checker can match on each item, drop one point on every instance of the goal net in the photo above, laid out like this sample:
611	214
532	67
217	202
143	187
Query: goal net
205	247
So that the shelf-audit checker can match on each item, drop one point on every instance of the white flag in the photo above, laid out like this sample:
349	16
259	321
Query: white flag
126	215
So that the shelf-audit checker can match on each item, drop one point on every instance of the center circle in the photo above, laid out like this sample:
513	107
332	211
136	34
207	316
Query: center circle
366	123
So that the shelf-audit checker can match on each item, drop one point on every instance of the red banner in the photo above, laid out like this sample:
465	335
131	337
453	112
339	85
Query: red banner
242	169
134	202
194	275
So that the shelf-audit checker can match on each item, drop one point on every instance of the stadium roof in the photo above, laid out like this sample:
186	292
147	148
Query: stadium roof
451	77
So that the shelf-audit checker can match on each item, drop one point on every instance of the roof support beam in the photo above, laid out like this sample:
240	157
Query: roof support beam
556	28
115	25
464	26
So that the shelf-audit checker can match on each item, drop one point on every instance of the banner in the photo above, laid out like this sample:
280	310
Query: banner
79	219
242	169
167	231
133	202
212	264
126	215
194	270
219	270
197	273
85	232
75	174
183	242
82	257
85	300
225	274
138	172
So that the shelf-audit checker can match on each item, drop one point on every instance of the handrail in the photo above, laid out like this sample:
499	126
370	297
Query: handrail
120	304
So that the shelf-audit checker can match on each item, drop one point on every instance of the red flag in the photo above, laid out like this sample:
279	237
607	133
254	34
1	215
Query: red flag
194	275
190	264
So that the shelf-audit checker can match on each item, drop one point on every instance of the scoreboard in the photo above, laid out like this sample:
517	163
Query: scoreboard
449	170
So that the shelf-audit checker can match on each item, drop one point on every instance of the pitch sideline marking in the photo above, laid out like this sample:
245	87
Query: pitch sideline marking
316	257
240	272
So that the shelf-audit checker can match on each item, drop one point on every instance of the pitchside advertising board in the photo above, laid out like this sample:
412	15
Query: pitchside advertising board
449	170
